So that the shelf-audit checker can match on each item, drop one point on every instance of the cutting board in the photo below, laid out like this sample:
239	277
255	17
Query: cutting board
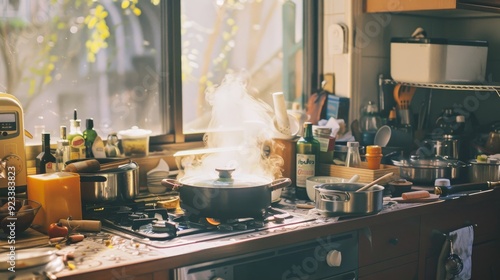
432	197
28	239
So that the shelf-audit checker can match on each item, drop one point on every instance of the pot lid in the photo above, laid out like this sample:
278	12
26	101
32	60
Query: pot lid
134	132
225	178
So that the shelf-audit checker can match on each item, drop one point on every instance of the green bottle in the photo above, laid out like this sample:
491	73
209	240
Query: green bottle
89	134
307	155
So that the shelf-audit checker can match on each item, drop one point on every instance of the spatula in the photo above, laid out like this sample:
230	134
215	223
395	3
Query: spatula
367	186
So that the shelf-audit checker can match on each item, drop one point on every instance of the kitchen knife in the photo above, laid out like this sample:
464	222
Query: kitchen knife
447	190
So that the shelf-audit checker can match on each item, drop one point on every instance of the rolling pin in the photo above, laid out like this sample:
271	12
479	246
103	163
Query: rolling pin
82	225
415	195
93	165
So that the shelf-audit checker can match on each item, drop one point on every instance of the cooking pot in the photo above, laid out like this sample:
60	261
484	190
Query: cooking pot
225	196
337	199
120	183
483	171
426	171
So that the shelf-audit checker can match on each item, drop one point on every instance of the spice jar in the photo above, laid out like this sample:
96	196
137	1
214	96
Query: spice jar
373	156
353	158
326	143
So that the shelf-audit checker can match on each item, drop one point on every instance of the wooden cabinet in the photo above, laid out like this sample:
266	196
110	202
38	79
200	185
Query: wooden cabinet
484	215
389	250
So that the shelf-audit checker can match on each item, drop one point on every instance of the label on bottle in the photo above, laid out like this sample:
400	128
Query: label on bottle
306	164
77	144
50	167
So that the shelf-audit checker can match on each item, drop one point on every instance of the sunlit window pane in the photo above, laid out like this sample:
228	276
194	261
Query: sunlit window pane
99	57
220	37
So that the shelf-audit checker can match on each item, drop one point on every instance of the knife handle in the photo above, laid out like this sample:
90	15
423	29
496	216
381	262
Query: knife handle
446	190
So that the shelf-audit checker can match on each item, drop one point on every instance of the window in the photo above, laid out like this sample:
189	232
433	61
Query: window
126	63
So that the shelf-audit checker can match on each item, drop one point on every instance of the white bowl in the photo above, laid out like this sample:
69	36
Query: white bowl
157	189
318	180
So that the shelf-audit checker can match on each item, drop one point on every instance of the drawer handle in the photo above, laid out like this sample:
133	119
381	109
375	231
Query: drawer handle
394	241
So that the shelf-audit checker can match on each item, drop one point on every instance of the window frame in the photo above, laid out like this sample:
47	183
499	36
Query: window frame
171	78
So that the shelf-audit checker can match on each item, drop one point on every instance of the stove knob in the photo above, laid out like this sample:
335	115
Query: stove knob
334	258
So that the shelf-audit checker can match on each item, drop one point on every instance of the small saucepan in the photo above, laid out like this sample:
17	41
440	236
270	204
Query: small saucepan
120	183
339	199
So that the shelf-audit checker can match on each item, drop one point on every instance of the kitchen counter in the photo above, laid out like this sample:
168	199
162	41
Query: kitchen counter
105	256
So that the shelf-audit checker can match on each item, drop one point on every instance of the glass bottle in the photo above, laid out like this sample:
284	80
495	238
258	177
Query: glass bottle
307	154
111	148
326	143
63	149
89	134
353	158
45	161
76	141
370	122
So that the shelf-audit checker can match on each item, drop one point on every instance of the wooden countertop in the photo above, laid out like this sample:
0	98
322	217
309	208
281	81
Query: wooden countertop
164	260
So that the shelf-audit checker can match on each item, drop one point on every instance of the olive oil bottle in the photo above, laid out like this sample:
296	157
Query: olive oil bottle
307	155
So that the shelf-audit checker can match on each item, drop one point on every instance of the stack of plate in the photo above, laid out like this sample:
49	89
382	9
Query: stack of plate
155	175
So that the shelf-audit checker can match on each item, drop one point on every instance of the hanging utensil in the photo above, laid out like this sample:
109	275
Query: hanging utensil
453	263
367	186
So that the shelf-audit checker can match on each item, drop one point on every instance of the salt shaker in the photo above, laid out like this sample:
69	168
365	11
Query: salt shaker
353	158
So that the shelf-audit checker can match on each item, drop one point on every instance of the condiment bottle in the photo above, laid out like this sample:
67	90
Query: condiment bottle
373	156
353	158
326	143
63	149
89	134
45	161
76	141
307	154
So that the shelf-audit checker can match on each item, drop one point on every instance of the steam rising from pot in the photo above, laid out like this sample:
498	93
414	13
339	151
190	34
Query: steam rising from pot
240	131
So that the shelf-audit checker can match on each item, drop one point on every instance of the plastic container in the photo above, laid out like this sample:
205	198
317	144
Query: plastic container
135	141
438	60
373	156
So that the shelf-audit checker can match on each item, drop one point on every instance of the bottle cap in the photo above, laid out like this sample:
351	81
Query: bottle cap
89	123
373	150
441	182
352	144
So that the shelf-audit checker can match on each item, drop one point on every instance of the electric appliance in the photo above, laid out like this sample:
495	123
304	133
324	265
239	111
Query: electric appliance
13	173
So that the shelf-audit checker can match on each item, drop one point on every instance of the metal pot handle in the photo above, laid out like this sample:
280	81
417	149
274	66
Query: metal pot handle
280	183
173	184
334	195
92	178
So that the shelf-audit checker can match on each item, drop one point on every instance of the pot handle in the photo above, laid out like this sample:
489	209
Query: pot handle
92	178
280	183
173	184
334	195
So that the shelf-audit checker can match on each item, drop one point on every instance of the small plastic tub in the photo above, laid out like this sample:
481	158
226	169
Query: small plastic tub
135	141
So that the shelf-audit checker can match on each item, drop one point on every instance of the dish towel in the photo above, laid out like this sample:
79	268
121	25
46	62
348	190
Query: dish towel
461	240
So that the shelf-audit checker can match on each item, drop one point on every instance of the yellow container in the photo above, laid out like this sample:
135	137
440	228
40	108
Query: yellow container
59	194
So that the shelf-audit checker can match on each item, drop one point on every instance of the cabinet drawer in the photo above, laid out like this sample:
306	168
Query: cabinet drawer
484	216
406	271
390	240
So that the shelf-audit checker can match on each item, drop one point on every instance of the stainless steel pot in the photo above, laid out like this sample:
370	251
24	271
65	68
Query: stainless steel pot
426	171
120	183
222	196
481	172
338	199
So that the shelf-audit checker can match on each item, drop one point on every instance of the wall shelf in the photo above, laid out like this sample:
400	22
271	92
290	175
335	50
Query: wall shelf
465	87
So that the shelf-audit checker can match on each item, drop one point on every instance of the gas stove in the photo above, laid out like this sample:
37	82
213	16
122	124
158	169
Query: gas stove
147	223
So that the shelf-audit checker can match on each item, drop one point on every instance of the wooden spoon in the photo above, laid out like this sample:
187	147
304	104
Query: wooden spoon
367	186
